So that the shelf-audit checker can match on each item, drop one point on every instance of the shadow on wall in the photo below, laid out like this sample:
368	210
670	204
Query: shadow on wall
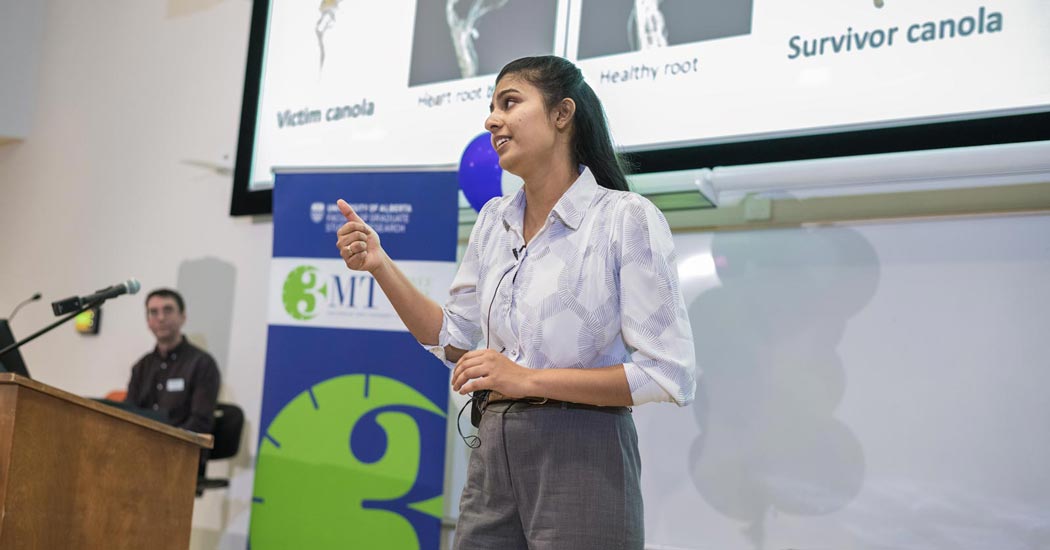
766	340
223	532
207	284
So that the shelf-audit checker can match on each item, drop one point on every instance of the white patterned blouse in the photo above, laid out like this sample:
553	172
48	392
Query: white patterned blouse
596	286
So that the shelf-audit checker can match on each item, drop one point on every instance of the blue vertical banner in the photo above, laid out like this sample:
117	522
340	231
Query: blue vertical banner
352	432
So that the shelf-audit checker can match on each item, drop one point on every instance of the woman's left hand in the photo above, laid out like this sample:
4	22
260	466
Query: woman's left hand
488	369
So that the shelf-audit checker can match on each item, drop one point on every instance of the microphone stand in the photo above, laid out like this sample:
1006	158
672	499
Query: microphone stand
49	328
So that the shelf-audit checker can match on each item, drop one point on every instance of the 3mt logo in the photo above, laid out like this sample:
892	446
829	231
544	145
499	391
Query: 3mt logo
309	292
303	292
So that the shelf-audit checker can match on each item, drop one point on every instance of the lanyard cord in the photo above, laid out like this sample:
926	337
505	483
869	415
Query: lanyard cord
477	398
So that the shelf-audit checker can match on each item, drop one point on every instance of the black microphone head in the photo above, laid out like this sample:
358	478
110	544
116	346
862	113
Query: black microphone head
32	298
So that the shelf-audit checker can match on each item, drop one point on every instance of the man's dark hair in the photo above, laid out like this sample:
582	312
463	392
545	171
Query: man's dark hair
168	293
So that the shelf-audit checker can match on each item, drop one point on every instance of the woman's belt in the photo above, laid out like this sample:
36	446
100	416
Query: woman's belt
497	397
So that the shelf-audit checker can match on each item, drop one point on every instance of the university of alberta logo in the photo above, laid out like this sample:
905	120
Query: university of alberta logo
317	212
303	292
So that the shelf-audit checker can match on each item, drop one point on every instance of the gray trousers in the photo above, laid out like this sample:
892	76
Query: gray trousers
552	478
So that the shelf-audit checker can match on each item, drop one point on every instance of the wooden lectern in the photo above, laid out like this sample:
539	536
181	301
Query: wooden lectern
75	473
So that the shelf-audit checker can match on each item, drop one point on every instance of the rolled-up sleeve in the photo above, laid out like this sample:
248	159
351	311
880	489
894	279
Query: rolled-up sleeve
654	320
461	314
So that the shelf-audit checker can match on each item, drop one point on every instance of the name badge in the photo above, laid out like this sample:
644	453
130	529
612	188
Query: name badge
176	384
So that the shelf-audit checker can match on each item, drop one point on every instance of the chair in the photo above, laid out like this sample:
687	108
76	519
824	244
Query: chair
229	422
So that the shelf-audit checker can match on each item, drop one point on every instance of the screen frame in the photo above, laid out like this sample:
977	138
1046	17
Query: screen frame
244	201
979	130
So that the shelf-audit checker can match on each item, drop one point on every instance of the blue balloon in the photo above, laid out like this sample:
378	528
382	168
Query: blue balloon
480	175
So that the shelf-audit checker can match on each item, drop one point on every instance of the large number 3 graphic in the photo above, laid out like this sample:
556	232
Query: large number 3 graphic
340	467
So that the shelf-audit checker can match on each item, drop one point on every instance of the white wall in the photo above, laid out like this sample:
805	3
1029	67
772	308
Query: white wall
128	90
866	387
21	27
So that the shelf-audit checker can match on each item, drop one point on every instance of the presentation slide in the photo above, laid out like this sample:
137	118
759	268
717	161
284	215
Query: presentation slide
408	82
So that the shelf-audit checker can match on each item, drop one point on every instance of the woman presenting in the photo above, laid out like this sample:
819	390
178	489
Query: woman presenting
571	287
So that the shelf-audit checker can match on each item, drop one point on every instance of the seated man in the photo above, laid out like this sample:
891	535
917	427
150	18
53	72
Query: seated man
177	379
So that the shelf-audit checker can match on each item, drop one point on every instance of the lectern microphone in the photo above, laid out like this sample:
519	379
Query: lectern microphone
61	307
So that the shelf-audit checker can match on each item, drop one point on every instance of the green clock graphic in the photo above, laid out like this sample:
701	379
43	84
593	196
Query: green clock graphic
311	491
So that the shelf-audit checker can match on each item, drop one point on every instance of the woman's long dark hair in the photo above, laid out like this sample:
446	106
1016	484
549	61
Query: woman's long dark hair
557	78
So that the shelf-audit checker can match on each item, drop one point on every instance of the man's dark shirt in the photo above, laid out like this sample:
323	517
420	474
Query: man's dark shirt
184	385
